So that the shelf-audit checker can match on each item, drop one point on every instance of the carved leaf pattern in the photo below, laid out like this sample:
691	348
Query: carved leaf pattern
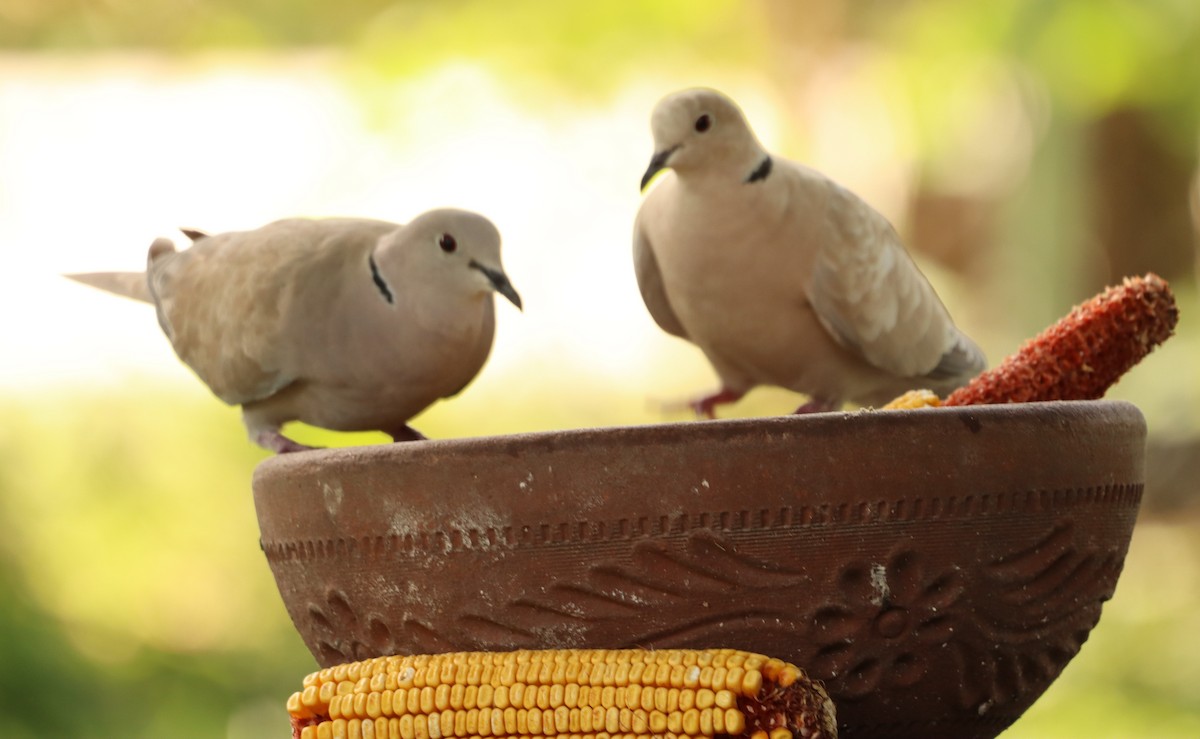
1059	589
342	636
661	582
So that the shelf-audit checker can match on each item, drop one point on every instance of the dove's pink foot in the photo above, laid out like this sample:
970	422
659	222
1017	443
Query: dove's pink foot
278	443
406	433
706	407
817	405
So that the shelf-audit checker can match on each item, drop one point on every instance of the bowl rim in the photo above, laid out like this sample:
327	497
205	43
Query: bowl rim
706	430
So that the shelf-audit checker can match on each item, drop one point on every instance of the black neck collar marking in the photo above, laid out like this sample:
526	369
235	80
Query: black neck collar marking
761	171
380	283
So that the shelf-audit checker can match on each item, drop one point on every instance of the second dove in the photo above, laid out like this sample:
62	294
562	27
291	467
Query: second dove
781	276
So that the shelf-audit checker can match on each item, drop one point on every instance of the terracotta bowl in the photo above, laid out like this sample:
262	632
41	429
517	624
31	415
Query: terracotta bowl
937	568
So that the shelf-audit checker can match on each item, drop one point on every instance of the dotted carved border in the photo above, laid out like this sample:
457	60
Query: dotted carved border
952	507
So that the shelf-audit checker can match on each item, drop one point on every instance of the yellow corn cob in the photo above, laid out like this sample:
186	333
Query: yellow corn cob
584	694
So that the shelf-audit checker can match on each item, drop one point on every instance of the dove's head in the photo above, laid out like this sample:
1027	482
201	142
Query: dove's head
702	130
456	251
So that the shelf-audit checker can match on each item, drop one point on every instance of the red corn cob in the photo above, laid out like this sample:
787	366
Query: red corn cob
1083	354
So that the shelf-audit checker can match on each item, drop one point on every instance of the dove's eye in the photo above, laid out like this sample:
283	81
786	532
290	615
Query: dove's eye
447	243
703	123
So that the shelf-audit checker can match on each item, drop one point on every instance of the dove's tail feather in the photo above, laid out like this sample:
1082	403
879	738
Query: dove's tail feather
126	284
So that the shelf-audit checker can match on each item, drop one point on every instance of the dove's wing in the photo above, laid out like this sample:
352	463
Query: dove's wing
649	278
236	306
871	297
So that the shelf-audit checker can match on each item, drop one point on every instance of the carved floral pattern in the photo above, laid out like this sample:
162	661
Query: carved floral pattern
888	619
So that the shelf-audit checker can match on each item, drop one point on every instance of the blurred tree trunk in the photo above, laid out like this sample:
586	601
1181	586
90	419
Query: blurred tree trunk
956	230
1141	217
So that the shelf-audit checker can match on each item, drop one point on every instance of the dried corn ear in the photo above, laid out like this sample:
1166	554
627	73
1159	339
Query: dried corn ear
1085	352
560	693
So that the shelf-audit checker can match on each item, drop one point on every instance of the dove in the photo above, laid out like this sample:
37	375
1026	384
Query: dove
780	275
344	323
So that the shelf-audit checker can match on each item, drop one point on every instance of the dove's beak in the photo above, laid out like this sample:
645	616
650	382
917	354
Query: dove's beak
657	164
500	283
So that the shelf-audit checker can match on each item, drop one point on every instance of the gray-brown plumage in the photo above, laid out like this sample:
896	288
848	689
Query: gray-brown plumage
346	324
780	275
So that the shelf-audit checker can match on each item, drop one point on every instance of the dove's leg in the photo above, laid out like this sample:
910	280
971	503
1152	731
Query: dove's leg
262	426
818	405
273	440
406	433
705	407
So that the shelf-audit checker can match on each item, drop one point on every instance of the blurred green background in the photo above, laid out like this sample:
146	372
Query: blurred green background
1031	152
